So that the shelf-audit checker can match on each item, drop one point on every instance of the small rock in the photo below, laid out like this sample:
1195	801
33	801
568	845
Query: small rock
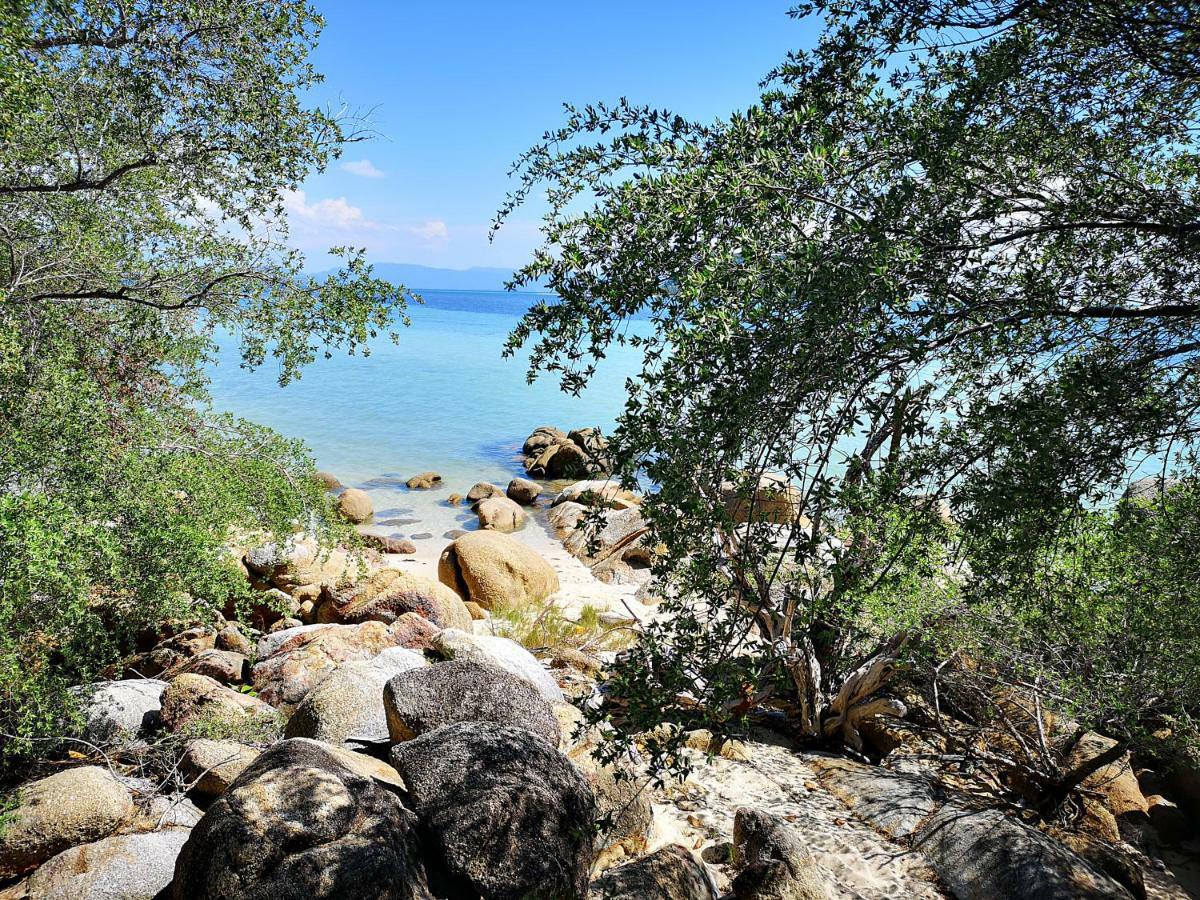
464	690
231	638
389	543
478	613
211	766
454	499
671	873
424	481
775	863
58	812
454	534
523	491
500	514
328	480
482	491
225	666
355	505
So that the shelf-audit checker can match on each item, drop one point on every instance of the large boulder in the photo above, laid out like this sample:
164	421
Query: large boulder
355	505
210	767
347	707
670	873
1115	782
121	867
500	514
52	814
195	700
502	652
496	570
389	593
300	824
464	690
503	814
523	491
771	499
225	666
299	663
775	863
118	711
989	855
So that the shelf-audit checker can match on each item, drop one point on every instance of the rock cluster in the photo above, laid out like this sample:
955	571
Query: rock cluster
551	453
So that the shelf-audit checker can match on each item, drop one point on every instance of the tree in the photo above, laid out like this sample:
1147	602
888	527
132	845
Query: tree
147	151
952	253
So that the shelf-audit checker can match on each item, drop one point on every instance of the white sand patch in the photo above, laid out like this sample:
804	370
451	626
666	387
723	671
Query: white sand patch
860	862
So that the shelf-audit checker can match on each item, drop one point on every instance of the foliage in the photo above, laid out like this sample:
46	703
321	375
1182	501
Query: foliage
952	252
147	151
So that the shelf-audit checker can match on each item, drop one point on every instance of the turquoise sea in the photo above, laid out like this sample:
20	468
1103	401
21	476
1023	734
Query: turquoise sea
442	399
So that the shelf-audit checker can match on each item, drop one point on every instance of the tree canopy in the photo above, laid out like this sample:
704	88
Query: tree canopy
146	152
950	254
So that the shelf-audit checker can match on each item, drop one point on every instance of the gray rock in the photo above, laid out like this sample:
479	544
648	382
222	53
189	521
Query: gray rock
465	690
116	711
775	863
892	803
210	767
505	653
987	855
503	814
623	803
670	873
347	707
123	867
298	824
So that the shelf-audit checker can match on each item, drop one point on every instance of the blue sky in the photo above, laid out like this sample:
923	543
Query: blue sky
458	89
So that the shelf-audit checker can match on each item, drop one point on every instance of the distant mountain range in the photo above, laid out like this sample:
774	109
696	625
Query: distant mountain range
429	278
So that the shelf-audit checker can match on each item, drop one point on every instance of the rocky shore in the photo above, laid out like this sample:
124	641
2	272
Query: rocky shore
403	721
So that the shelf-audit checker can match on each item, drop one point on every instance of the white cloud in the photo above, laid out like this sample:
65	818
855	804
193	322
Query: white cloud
362	167
330	212
431	230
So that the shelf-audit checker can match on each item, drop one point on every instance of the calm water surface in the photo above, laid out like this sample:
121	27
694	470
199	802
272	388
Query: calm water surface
442	399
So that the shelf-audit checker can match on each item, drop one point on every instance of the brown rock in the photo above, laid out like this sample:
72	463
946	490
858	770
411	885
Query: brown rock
500	514
225	666
482	490
477	612
523	491
424	481
493	569
211	766
192	699
772	500
231	638
388	594
386	543
355	505
328	480
1115	782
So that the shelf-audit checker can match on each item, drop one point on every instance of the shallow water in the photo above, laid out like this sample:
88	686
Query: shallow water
442	399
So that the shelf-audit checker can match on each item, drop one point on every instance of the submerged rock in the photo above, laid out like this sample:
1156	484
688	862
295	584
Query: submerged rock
503	814
423	482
